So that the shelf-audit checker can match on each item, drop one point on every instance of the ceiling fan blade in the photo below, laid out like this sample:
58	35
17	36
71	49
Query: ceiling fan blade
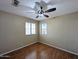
37	6
37	3
37	16
50	10
46	15
43	4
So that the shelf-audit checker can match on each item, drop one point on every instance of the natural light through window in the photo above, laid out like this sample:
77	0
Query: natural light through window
44	28
30	28
33	28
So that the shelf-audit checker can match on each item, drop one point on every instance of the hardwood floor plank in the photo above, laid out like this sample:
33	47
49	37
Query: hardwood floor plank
40	51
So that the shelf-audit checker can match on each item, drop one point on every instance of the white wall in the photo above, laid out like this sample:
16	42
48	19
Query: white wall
62	32
12	32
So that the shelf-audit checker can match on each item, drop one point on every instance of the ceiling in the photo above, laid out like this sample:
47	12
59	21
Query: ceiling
62	7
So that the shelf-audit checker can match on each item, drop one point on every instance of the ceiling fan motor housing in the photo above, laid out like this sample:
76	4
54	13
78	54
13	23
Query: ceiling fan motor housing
40	12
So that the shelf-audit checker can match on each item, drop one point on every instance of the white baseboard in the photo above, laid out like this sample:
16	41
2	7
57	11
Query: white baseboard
1	55
36	42
59	48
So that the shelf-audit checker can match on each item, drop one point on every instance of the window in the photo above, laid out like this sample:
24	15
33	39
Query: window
30	28
33	28
27	28
43	28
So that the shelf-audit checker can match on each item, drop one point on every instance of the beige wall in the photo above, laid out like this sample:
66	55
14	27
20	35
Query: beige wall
12	32
62	32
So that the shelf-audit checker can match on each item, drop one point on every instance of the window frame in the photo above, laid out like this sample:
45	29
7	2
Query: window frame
43	29
31	27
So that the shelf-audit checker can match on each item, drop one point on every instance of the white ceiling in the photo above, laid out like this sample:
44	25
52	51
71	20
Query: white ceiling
62	7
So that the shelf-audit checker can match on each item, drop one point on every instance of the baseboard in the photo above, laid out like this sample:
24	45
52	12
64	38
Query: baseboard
17	49
34	43
59	48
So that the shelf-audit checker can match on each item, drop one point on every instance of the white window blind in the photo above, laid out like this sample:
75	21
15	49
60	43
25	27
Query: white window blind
44	28
33	28
30	28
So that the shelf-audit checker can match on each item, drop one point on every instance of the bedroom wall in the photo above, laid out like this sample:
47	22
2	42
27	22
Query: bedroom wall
12	32
62	32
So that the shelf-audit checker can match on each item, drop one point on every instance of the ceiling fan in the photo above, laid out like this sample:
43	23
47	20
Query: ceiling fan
40	8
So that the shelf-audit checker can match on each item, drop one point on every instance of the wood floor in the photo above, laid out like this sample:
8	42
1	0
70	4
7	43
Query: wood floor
40	51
